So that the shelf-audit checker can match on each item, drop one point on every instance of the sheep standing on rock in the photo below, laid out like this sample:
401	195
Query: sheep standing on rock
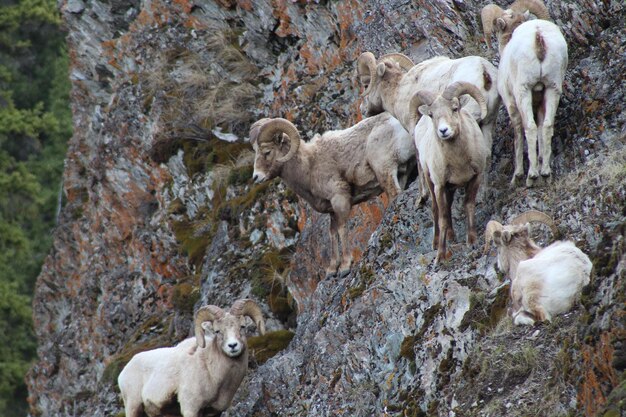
544	282
533	60
202	374
335	170
389	87
453	153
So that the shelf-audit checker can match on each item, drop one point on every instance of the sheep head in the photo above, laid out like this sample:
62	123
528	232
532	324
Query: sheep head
513	241
372	75
506	21
444	108
227	326
275	141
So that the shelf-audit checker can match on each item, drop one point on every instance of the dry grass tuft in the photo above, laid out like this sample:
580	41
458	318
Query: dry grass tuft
191	93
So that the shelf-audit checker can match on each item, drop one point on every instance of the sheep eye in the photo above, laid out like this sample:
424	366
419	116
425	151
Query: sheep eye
430	114
216	331
243	327
266	153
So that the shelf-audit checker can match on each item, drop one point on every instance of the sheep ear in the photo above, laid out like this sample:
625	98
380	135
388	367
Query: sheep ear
524	230
500	24
424	109
380	70
207	326
454	103
497	237
506	237
527	15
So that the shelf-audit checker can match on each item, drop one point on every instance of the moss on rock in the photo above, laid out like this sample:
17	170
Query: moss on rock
267	346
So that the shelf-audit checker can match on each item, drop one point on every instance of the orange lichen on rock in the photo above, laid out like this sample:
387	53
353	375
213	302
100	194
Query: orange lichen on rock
284	21
598	375
347	13
245	5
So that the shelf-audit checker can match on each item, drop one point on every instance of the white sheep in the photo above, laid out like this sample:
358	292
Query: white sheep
390	87
533	60
201	374
452	153
544	282
335	170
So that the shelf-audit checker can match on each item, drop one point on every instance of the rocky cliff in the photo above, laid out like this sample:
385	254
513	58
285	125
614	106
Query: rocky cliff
159	216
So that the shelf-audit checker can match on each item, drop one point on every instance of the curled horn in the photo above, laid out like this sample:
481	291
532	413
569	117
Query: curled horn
256	126
536	7
247	307
401	59
366	69
488	14
206	313
459	88
492	226
419	98
535	216
279	125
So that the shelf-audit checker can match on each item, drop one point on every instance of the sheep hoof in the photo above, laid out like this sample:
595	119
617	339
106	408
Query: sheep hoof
330	273
547	178
531	181
517	180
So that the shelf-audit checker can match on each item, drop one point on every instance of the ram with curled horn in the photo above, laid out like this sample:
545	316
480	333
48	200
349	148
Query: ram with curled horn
544	281
389	88
201	373
452	154
335	170
390	82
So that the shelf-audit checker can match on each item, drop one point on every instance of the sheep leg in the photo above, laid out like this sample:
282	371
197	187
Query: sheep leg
435	214
440	196
518	143
341	209
487	130
551	102
525	105
471	191
450	236
334	247
424	190
133	409
389	182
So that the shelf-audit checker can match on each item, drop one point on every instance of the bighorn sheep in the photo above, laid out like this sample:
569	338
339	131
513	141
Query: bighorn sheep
452	153
335	170
389	87
202	374
544	282
533	60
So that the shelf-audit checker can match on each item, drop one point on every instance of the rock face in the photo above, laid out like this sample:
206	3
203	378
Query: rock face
160	216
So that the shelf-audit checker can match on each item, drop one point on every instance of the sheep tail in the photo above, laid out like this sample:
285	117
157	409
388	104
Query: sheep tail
487	81
540	46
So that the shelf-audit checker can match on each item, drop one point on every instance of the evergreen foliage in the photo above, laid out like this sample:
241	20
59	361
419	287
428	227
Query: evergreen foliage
35	125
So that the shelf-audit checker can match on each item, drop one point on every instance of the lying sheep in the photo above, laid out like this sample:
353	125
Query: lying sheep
533	59
452	153
202	374
544	282
335	170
